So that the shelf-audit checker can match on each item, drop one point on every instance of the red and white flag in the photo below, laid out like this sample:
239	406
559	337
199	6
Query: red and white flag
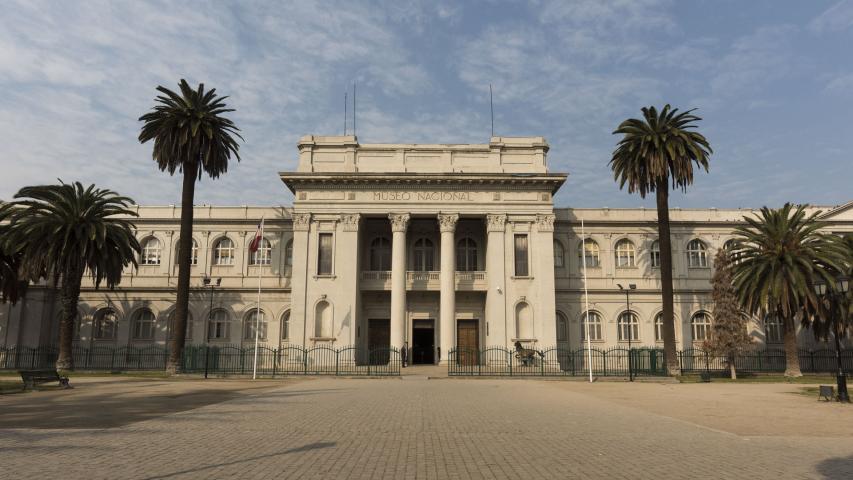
256	242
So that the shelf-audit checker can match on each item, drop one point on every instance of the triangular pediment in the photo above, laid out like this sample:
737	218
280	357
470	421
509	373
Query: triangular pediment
841	213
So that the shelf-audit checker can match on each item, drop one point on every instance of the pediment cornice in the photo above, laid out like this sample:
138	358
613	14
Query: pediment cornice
414	181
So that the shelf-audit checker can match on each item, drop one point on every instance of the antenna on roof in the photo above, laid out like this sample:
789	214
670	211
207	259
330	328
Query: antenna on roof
345	113
353	108
492	109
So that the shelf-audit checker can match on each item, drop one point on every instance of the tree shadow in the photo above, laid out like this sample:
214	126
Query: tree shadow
836	468
303	448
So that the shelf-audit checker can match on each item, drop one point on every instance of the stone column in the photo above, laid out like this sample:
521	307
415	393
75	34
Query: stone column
496	275
301	319
447	311
399	224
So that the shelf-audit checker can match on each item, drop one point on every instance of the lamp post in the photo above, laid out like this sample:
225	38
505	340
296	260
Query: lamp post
833	295
630	329
211	285
208	282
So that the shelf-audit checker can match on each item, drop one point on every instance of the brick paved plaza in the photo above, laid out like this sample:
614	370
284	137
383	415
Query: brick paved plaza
419	428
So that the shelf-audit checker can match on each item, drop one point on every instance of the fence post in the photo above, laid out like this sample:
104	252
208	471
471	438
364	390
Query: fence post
604	361
811	354
275	353
337	362
206	354
509	358
112	358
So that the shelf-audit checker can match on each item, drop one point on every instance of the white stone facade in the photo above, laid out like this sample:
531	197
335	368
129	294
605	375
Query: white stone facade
431	245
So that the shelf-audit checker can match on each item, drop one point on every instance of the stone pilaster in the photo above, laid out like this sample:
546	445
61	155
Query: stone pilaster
496	327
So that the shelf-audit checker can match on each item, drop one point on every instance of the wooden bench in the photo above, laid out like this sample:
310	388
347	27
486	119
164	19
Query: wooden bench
32	378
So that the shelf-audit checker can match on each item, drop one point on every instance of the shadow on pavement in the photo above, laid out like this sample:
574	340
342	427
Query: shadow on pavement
304	448
836	468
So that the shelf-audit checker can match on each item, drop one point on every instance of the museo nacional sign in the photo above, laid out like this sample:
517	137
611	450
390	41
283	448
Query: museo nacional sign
390	196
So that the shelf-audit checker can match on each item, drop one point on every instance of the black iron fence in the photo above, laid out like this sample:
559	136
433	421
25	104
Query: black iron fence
618	361
216	359
557	361
694	360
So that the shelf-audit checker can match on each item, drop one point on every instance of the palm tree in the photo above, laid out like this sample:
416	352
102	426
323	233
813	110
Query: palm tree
780	254
11	286
655	151
190	136
63	231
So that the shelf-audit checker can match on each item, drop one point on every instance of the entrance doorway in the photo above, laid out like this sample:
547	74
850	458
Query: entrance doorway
379	340
467	342
423	342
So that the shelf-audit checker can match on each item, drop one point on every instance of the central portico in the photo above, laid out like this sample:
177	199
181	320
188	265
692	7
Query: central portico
436	246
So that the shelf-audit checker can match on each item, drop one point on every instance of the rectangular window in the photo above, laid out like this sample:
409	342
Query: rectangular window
324	257
521	267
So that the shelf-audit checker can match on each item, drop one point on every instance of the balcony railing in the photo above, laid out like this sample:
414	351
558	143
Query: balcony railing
428	280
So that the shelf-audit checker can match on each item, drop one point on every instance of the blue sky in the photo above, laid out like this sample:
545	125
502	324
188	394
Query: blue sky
773	81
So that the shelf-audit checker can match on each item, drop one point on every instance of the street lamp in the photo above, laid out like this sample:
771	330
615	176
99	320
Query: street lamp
820	288
208	282
630	329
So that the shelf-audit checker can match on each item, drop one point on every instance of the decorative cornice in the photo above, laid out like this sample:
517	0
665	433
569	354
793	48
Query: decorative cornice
350	222
399	221
447	221
545	223
496	222
415	181
301	222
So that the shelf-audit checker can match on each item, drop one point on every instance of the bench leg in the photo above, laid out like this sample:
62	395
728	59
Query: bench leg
64	382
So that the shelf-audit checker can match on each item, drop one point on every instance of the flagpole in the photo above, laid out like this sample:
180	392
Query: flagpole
586	299
258	315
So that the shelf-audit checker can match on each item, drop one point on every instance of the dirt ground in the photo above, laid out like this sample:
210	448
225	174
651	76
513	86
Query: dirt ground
765	409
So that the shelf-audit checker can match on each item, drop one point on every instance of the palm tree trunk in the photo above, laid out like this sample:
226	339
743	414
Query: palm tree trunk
68	298
792	354
179	333
732	370
662	196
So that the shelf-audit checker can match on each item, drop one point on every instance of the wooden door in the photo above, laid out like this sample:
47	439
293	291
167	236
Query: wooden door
378	340
467	342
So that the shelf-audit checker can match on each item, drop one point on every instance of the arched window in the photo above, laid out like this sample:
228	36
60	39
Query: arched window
253	323
697	254
193	254
424	255
466	255
772	329
285	325
654	254
701	324
189	334
559	254
562	328
106	324
659	327
323	320
591	321
731	246
263	255
625	254
628	327
523	321
588	253
143	325
380	254
217	325
223	252
150	252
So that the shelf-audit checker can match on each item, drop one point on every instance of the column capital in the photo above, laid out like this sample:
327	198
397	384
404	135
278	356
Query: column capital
399	221
350	221
545	223
496	222
301	222
447	221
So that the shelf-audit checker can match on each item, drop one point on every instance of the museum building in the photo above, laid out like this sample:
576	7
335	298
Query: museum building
435	246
